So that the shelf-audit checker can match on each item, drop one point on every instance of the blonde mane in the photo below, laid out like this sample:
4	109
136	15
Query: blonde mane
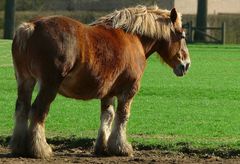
141	20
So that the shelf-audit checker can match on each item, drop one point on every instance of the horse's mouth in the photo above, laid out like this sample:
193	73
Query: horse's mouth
181	69
179	73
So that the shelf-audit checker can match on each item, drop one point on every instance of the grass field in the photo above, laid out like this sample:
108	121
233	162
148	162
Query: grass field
198	112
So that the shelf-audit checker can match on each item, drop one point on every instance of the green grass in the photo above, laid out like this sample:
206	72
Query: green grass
198	112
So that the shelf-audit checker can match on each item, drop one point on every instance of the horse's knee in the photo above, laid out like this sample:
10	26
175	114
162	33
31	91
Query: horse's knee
41	105
107	115
107	109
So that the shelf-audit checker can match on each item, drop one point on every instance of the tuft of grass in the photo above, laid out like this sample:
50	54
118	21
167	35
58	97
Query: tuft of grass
198	113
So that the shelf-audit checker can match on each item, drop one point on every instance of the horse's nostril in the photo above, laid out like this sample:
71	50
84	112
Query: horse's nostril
187	66
182	67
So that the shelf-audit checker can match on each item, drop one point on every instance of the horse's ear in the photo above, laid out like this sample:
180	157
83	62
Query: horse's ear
173	15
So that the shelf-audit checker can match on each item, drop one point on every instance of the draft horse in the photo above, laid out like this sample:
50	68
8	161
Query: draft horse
103	60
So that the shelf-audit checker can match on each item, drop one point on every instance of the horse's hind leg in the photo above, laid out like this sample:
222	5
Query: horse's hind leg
38	146
117	142
107	115
19	138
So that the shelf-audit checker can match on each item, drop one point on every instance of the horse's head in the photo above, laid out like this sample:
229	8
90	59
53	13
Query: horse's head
174	51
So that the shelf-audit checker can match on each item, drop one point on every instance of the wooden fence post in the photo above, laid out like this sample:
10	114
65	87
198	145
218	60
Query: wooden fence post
190	32
9	19
223	32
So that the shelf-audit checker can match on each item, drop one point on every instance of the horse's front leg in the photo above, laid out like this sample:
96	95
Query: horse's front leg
38	146
107	115
117	142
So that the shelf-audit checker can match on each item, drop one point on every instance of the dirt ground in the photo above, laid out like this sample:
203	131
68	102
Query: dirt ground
78	155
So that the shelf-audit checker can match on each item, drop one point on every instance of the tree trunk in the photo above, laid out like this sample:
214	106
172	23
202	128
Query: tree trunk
9	19
201	21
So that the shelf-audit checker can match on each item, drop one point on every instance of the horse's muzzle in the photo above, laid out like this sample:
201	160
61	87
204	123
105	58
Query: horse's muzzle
181	69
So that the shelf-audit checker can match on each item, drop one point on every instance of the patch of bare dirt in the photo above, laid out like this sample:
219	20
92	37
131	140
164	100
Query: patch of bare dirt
80	155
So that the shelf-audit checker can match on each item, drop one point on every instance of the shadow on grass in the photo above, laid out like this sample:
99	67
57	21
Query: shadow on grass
4	140
71	142
181	147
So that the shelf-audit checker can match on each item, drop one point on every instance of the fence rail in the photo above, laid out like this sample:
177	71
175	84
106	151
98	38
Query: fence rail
207	32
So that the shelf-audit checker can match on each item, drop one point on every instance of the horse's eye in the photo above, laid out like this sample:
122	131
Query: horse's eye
181	34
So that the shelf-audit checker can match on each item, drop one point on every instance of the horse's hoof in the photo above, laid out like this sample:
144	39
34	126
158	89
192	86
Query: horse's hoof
101	152
19	152
43	151
18	147
100	148
124	149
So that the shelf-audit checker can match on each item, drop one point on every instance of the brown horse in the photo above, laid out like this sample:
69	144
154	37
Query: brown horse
99	61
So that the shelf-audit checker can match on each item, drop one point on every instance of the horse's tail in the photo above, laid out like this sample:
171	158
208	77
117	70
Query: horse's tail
23	33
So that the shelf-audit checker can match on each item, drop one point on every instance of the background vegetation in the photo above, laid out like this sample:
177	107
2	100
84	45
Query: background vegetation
197	113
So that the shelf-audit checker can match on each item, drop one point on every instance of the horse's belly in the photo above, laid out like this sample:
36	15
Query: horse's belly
82	88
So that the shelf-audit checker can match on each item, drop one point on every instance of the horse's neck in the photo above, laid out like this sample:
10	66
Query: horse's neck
148	45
